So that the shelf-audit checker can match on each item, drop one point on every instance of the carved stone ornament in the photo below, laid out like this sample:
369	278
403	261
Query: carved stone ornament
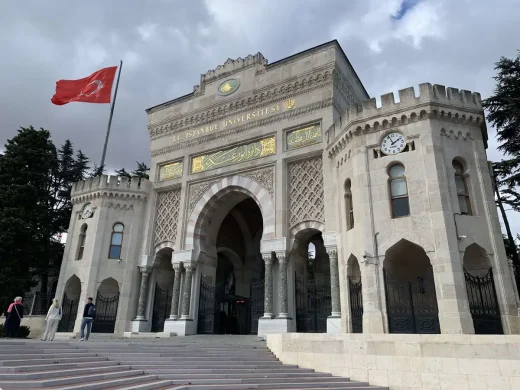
167	216
306	194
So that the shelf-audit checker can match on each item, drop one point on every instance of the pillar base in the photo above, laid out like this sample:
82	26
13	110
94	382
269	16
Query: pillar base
373	322
275	325
180	327
334	324
140	326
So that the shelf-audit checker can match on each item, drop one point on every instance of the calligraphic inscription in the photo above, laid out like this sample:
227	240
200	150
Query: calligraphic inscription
228	87
257	149
305	136
289	104
171	171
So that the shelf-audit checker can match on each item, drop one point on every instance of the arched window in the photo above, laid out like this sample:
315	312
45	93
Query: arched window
462	188
398	192
348	205
116	241
81	243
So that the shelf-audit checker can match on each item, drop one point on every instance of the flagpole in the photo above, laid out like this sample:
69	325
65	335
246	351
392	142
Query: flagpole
110	118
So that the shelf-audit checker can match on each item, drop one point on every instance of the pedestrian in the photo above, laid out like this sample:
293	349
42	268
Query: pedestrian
89	314
14	318
53	319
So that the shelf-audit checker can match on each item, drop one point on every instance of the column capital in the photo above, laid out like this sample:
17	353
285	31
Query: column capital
282	256
332	251
145	270
176	266
190	266
268	257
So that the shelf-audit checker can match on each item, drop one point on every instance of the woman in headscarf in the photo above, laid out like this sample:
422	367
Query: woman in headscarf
14	318
53	319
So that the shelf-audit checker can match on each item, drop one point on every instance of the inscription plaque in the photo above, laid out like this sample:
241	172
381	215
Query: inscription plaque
304	136
171	171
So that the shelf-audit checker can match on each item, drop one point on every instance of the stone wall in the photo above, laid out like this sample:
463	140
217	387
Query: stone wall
406	362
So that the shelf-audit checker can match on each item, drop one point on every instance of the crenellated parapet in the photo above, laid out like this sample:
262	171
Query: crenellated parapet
111	186
433	102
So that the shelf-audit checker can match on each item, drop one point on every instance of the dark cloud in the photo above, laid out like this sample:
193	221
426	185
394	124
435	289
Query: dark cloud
167	44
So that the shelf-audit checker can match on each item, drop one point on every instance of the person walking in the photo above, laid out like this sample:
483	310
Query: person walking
14	318
53	319
89	314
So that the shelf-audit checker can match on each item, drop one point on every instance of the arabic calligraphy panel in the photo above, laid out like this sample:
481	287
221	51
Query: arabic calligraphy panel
171	171
304	136
237	154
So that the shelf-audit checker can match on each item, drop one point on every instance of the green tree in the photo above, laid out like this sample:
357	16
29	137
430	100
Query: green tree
504	114
141	171
24	219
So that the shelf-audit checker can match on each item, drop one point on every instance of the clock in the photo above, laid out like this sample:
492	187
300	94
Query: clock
392	143
87	211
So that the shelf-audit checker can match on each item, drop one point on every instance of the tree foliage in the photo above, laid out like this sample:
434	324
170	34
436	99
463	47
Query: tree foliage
141	171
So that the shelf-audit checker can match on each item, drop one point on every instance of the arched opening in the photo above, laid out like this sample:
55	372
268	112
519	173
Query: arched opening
107	302
411	300
69	304
480	287
232	282
164	276
312	282
356	294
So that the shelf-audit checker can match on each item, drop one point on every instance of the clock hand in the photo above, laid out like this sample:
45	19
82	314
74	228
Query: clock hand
395	141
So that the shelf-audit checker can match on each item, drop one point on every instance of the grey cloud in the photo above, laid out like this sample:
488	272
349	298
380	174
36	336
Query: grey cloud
42	42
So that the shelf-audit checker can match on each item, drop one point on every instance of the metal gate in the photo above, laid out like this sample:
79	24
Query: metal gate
313	305
106	313
69	310
483	303
411	305
162	304
356	304
207	306
257	304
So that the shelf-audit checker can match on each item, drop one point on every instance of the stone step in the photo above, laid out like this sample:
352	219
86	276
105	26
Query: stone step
61	373
12	363
174	369
57	366
152	385
30	356
206	381
166	374
120	383
206	364
285	386
70	380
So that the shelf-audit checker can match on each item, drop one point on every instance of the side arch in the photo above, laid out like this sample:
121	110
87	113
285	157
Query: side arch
210	201
422	241
162	245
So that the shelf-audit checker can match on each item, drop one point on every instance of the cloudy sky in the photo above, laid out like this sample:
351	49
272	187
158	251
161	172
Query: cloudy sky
167	44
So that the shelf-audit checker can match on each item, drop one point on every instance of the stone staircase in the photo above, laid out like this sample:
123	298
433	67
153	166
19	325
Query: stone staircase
194	363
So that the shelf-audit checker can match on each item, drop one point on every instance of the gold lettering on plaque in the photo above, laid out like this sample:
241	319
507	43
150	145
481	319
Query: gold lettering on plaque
237	154
303	137
171	171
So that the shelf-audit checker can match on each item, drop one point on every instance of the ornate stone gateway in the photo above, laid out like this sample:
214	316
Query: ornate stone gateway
161	308
106	313
69	314
356	304
313	305
411	305
483	303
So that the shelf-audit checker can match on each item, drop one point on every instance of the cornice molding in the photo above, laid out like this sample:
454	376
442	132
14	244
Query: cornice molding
298	85
112	195
234	132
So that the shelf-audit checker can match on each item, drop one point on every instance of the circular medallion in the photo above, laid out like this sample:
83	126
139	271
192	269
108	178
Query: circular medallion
228	87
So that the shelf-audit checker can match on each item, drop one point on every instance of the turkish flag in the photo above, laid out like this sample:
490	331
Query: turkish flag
96	88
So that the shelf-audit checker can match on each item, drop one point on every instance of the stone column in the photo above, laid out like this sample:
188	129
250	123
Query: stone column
143	292
268	293
334	282
186	294
174	312
282	293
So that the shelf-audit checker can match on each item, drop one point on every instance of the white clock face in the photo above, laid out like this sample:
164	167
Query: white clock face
393	143
87	211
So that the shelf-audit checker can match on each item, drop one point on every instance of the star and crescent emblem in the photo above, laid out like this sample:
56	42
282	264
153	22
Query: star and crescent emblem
97	83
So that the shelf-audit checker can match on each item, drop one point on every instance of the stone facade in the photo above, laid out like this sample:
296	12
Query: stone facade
260	161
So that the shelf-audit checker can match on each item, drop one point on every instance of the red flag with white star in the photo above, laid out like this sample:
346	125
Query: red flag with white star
96	88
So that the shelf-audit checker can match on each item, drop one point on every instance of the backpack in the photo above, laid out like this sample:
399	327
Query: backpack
92	311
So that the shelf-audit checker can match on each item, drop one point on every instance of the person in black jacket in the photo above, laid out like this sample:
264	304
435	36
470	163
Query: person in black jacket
89	313
14	318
